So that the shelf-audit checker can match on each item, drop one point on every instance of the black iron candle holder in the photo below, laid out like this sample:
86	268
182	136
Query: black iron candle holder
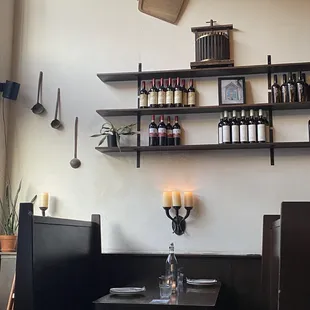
178	222
43	209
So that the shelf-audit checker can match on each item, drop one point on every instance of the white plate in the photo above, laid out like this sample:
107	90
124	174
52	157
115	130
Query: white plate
127	290
201	282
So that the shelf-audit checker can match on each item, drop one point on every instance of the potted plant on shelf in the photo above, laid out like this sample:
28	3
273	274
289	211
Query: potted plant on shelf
9	219
113	134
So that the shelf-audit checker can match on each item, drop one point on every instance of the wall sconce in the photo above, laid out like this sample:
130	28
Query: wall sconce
9	89
173	200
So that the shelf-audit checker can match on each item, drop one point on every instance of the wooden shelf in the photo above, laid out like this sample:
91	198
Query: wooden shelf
200	73
205	147
203	109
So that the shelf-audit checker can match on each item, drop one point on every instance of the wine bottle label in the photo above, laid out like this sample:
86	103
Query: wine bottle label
243	133
162	132
235	133
275	95
291	93
161	98
220	135
178	96
284	94
301	93
153	98
153	132
226	134
192	98
143	100
185	102
169	97
252	133
169	133
261	133
176	133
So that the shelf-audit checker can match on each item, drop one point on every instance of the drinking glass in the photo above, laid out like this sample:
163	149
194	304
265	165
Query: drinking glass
165	286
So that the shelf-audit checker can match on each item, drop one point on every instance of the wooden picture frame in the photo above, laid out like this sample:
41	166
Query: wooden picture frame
232	91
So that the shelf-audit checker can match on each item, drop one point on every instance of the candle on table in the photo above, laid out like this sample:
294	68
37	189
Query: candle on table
176	199
188	199
44	200
167	199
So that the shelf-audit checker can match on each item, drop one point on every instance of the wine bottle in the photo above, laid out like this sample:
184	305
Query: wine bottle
176	131
309	129
284	89
267	127
153	133
243	128
276	91
261	127
162	132
301	89
307	88
185	94
226	129
162	95
291	89
178	94
169	94
143	97
191	94
235	129
252	127
149	97
153	93
170	140
220	130
172	268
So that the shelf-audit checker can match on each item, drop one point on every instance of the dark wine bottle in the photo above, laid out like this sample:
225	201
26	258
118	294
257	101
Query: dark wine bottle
226	129
244	128
185	94
153	94
307	88
220	130
170	140
261	127
169	94
191	94
162	132
162	95
176	130
309	129
276	91
301	89
235	129
284	89
143	97
178	94
291	89
252	127
153	133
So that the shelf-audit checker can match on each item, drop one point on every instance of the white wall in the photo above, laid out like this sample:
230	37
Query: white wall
73	40
6	36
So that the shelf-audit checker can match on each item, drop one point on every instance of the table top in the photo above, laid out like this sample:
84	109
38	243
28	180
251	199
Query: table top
190	296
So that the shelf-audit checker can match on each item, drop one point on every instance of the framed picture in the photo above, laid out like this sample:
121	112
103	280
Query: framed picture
231	90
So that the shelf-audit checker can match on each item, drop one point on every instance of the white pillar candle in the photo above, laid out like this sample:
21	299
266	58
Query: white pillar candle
176	199
44	200
188	199
167	199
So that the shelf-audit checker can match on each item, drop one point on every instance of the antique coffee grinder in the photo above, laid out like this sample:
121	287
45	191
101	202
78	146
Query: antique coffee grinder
212	46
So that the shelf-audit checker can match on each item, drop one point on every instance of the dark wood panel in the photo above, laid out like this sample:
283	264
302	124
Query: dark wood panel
203	109
239	275
200	73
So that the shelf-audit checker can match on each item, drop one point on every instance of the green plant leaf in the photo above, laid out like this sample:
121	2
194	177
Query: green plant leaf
102	140
97	135
118	141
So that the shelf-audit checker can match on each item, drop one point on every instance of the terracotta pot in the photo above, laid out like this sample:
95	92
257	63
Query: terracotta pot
8	243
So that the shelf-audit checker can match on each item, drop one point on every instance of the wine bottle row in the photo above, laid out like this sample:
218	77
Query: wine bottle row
291	90
164	134
167	95
243	129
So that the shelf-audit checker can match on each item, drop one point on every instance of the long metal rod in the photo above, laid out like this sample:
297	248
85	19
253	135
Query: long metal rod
139	116
270	114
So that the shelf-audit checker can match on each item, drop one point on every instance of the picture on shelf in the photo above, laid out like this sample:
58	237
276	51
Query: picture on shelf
231	90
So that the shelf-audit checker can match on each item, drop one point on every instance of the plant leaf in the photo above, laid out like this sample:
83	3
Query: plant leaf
96	135
118	140
102	140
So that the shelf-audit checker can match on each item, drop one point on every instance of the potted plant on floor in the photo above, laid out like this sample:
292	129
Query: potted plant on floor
113	134
9	219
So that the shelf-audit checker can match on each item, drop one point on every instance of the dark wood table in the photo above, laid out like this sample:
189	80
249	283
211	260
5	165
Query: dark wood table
189	298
